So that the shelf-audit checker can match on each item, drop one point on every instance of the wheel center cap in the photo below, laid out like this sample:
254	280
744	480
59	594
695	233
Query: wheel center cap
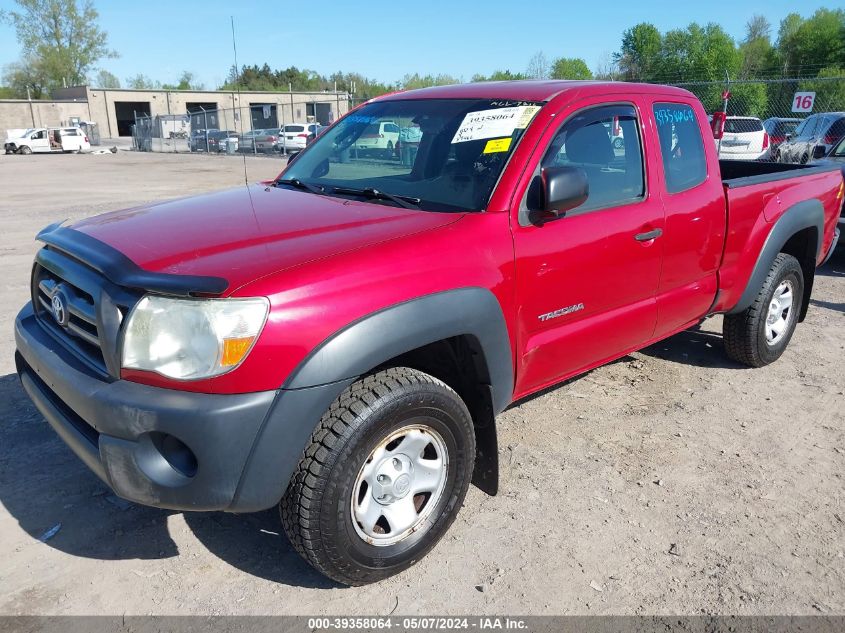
401	486
394	479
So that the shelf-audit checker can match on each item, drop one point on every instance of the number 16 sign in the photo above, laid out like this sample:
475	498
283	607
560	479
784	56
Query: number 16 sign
803	101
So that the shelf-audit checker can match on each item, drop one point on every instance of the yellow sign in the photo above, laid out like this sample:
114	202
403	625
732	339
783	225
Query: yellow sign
497	145
528	113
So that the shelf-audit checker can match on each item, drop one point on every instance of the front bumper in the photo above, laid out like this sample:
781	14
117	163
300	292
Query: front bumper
125	432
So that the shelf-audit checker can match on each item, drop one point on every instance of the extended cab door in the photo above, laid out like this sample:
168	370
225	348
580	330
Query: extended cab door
586	281
694	203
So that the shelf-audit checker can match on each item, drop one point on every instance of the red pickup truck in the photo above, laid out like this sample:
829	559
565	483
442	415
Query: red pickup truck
339	341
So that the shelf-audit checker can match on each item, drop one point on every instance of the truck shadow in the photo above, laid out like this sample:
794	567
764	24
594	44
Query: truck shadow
44	485
829	305
835	267
694	347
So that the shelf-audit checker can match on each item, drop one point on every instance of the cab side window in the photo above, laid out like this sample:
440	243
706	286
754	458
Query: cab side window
681	146
605	143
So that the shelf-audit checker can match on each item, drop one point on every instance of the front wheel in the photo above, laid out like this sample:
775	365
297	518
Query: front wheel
759	334
25	150
383	478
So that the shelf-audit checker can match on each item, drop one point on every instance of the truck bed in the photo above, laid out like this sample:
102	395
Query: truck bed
756	195
743	173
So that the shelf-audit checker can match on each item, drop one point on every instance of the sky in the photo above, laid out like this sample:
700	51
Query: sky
386	40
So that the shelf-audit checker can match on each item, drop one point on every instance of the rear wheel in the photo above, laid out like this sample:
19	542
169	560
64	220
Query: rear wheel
388	153
759	334
383	478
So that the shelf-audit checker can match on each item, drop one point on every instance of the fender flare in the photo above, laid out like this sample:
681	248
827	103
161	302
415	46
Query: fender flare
370	341
353	351
800	216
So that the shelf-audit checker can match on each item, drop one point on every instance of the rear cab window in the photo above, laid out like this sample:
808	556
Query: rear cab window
681	146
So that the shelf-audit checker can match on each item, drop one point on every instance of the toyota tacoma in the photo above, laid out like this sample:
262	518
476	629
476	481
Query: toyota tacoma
339	341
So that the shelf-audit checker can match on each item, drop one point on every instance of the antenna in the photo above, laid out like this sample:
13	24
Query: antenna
238	87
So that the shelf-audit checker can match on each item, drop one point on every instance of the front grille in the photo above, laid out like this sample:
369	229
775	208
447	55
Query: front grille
82	314
91	311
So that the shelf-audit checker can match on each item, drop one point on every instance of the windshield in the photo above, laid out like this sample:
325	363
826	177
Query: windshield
443	154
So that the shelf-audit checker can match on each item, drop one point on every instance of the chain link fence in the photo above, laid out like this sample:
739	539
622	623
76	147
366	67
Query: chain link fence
782	106
270	129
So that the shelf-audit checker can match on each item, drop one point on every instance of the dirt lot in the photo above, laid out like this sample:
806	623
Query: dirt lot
671	481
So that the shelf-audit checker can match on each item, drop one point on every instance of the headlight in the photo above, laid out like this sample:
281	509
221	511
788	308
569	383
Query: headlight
189	339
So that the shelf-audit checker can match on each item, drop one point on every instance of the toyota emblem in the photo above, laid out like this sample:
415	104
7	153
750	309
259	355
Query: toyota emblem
59	309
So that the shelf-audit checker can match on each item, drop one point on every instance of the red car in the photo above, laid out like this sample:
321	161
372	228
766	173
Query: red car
340	340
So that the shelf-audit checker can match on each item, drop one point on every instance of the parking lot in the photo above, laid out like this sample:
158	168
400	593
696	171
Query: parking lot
672	481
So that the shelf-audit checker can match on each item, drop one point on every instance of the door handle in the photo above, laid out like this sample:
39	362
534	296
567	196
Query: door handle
650	235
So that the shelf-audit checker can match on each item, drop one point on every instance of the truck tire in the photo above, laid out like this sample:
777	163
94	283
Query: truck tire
383	477
759	334
25	149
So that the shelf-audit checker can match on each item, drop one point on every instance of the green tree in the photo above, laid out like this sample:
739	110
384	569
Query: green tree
570	68
142	82
187	81
640	53
27	79
756	49
107	80
59	38
415	80
805	46
500	75
830	95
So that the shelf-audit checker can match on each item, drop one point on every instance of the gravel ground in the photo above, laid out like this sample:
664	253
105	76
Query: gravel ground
671	481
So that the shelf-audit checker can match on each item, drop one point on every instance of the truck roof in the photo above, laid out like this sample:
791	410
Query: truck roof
531	90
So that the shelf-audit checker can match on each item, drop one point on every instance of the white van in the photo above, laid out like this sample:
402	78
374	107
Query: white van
48	139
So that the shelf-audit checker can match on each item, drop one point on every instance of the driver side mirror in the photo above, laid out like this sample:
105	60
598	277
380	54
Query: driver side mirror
563	189
819	151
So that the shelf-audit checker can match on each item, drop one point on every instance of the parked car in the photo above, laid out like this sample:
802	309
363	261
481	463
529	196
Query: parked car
836	156
338	342
247	142
294	137
228	144
379	138
47	140
197	140
744	138
269	139
813	138
218	139
779	129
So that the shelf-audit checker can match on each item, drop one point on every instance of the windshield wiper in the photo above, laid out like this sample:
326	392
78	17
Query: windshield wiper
296	182
372	193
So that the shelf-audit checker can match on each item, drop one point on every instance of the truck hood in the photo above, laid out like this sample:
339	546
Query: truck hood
246	233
